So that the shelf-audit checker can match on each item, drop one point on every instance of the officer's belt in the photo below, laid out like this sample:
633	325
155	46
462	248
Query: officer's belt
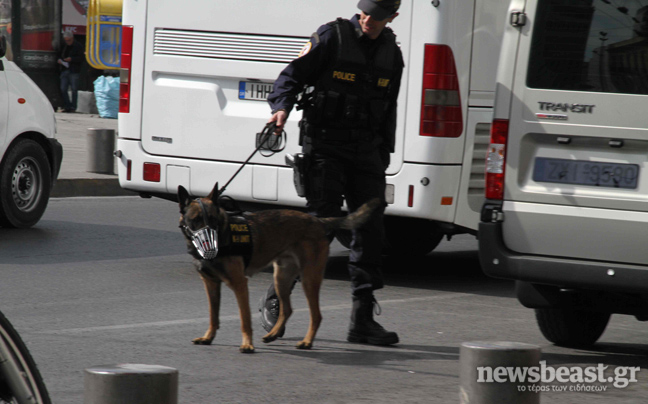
348	135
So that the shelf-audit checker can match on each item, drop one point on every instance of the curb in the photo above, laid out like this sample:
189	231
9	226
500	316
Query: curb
66	188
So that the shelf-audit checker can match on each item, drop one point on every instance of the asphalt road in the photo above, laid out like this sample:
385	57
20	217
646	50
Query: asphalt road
107	280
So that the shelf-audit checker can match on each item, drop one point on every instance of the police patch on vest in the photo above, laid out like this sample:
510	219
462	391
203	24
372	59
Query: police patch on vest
383	82
237	239
240	233
306	48
344	76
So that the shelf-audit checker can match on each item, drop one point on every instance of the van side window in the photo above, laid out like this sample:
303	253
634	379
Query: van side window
590	45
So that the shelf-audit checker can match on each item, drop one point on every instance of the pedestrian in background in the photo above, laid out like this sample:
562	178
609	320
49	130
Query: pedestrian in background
70	61
354	69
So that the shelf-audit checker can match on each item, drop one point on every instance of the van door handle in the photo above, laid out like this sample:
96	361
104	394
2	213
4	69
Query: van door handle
518	18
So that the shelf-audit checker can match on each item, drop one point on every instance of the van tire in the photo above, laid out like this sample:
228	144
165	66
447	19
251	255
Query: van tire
411	236
25	185
571	327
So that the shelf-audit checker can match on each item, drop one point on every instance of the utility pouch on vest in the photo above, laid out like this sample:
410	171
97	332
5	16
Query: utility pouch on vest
306	130
331	106
299	163
315	112
351	107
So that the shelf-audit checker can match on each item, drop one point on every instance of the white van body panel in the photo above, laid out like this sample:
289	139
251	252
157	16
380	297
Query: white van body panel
185	113
34	115
556	230
130	125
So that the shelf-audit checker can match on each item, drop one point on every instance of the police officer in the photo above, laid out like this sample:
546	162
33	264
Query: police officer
347	77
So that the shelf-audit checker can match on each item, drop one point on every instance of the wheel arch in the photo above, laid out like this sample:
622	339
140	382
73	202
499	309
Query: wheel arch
48	146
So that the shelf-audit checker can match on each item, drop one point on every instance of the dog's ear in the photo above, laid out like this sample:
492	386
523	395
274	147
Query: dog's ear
183	198
214	194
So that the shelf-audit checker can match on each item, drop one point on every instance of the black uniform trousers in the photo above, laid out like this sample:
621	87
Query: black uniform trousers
354	171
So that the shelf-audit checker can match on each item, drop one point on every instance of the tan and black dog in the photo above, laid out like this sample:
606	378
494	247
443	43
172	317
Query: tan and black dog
296	243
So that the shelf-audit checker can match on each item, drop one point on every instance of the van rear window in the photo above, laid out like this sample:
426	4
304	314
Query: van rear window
590	45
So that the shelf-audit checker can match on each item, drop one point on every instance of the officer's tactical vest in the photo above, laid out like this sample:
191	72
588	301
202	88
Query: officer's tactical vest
353	91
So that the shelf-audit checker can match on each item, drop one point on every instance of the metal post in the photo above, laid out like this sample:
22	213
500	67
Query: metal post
101	145
481	384
131	384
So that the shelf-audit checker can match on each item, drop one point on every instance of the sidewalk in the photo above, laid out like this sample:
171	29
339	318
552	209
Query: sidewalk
74	179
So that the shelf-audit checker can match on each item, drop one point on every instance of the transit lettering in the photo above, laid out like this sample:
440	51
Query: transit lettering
566	107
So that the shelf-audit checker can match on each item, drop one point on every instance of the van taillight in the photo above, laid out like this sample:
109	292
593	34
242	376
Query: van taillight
125	73
496	159
440	104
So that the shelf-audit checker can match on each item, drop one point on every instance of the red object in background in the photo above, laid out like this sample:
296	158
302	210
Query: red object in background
38	40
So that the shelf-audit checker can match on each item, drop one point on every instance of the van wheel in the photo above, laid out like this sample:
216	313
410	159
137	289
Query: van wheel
414	237
571	327
25	181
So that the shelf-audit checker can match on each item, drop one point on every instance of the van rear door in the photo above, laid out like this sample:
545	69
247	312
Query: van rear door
576	168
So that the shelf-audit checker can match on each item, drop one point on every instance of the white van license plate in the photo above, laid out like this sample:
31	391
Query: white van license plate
254	90
581	172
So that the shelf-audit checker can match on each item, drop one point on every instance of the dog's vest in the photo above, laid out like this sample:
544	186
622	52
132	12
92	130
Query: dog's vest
236	239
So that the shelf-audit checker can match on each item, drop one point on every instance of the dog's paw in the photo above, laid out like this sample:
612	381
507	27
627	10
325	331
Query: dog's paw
202	341
246	349
269	338
305	345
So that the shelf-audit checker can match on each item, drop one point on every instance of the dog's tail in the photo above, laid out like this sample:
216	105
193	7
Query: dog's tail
354	220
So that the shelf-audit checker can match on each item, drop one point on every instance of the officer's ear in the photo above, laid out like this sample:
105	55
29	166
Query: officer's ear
391	18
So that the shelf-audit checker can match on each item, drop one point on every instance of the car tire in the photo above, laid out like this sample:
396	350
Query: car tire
571	327
25	185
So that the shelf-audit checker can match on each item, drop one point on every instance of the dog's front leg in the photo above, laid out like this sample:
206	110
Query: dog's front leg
213	289
238	282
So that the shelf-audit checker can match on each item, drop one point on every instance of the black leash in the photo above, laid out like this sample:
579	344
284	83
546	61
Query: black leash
263	142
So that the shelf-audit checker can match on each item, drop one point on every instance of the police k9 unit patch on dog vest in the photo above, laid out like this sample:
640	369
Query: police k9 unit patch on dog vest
237	239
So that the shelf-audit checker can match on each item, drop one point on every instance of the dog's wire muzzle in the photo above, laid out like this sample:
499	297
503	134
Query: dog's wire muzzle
204	239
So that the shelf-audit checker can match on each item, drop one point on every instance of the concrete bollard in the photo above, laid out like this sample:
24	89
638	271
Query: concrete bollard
101	146
481	384
131	384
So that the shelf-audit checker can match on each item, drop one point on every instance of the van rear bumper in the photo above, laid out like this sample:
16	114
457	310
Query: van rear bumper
500	262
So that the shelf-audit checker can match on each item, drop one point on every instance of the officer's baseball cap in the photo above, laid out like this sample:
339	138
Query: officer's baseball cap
379	9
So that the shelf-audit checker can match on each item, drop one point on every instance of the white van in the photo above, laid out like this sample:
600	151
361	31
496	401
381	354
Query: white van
30	154
567	181
195	79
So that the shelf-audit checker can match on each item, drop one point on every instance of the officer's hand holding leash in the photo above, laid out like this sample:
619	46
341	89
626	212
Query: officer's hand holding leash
279	118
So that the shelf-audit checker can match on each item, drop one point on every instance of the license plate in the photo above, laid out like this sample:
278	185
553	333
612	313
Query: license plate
581	172
254	90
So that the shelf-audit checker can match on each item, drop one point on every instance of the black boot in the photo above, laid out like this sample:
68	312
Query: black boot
269	308
363	328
